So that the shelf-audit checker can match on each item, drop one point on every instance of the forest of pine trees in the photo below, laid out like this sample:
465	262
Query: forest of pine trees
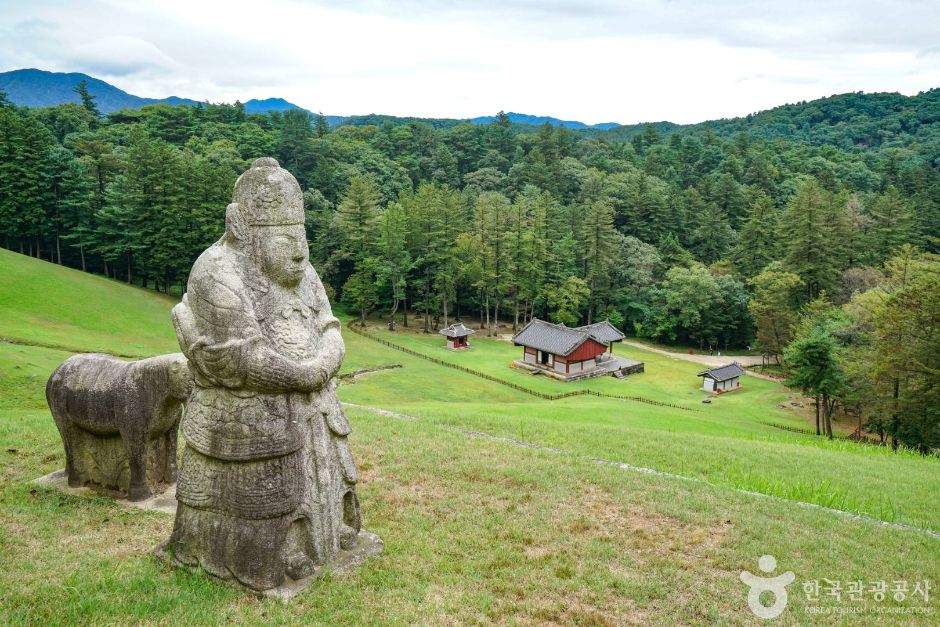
823	257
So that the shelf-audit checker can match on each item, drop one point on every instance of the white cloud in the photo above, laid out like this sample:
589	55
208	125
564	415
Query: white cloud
593	61
121	55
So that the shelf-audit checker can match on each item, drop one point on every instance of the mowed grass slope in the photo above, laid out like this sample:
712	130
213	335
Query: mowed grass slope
476	530
726	442
46	304
666	379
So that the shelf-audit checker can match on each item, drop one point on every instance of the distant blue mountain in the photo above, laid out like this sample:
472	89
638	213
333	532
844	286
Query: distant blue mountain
38	88
539	120
269	104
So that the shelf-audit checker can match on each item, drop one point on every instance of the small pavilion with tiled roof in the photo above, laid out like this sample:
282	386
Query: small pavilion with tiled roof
572	352
457	336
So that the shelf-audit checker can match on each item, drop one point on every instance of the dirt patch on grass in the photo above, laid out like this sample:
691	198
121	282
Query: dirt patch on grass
422	489
613	584
579	608
600	515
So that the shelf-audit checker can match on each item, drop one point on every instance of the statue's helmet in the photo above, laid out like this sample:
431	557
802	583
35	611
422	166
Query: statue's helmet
267	195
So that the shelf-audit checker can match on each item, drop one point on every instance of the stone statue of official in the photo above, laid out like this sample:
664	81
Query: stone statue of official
267	484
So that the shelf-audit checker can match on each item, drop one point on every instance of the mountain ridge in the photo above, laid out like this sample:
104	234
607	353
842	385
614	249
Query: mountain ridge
35	88
830	119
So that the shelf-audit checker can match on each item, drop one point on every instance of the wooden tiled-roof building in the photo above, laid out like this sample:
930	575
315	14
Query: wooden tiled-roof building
572	352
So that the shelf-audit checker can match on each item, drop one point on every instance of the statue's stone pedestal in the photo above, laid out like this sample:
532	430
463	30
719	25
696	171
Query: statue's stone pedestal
164	502
368	545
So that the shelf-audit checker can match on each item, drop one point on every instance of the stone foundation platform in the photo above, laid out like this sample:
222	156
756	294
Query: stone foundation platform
367	545
164	502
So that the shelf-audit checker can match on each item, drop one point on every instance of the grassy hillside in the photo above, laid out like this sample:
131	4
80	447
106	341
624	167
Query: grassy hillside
476	529
47	304
729	442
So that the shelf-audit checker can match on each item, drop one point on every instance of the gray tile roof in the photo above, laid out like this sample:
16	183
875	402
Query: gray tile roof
604	332
723	373
561	340
456	330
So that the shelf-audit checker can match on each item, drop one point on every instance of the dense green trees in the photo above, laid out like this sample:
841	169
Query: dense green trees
720	235
896	354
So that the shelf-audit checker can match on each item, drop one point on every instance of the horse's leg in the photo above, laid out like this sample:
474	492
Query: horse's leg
68	432
135	441
56	397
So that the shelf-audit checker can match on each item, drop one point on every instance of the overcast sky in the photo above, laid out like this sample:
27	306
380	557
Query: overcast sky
594	61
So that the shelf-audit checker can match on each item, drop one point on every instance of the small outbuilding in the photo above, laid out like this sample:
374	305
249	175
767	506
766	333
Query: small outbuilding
457	335
723	378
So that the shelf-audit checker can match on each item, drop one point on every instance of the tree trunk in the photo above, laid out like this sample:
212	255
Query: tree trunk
817	415
895	422
81	252
486	306
395	299
58	248
130	274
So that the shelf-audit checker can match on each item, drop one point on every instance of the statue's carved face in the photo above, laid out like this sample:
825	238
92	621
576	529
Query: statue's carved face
282	253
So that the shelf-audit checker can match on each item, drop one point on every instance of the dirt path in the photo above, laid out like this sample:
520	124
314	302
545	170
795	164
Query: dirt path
707	360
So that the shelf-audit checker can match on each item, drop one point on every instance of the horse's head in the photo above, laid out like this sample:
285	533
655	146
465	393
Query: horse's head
180	376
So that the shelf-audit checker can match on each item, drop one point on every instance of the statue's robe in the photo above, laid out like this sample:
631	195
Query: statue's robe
266	476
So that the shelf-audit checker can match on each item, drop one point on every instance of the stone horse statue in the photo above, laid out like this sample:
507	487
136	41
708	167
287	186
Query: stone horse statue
119	419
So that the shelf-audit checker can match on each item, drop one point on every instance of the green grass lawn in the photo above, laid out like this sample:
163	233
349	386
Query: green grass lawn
666	379
726	442
43	303
477	530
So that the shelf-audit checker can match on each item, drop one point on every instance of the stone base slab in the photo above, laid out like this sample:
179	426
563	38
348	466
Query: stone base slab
368	545
164	502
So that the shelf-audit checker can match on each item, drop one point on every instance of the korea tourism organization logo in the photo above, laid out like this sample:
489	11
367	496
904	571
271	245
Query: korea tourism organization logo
834	596
777	586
